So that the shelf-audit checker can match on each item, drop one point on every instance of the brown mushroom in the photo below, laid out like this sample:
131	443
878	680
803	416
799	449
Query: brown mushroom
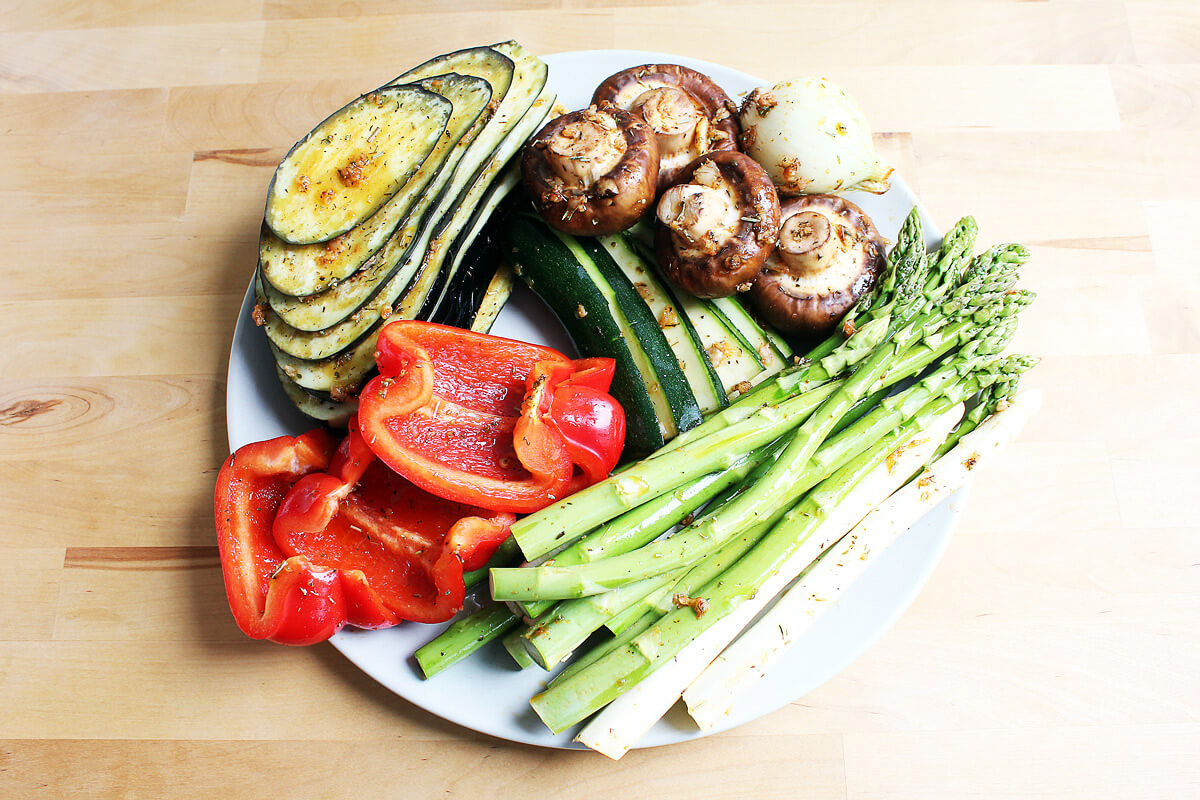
829	255
718	224
592	172
690	115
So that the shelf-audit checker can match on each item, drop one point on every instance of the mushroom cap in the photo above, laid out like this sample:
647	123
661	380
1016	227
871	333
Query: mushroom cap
829	255
690	114
591	172
709	266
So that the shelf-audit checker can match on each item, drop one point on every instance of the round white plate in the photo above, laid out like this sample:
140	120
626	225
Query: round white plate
486	692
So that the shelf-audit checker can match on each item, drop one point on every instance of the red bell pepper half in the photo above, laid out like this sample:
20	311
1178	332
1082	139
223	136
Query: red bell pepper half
487	421
312	539
400	551
272	596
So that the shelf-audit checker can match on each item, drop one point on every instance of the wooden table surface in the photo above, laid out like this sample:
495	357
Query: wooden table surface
1056	651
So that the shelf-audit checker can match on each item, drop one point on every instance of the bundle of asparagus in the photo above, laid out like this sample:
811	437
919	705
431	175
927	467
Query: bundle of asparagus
676	554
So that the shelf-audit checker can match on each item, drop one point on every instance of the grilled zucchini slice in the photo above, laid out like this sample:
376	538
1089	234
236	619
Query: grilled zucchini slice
353	162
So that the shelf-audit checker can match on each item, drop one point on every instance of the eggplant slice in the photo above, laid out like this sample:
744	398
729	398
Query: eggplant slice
352	163
317	312
347	349
304	271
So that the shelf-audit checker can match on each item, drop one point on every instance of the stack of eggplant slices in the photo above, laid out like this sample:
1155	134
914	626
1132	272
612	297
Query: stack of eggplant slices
796	390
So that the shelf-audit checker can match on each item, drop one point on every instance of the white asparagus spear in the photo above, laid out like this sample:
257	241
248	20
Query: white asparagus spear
712	696
625	720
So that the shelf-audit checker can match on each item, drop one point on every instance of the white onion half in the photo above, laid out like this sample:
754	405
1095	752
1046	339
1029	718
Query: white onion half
812	138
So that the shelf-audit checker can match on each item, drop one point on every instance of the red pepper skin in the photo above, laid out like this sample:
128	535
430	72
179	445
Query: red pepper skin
576	405
471	417
272	596
400	551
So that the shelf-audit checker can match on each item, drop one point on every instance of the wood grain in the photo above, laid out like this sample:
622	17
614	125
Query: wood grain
1054	654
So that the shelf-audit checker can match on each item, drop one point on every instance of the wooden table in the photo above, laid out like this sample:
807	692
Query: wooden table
1056	651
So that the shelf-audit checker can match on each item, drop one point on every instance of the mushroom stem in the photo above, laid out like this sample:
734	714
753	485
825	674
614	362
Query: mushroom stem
587	149
673	116
805	240
704	217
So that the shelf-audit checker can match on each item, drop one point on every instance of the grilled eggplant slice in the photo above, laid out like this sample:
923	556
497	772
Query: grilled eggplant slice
322	408
405	293
470	95
293	271
352	163
343	372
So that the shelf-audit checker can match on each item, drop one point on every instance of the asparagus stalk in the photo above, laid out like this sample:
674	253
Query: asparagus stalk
465	636
715	691
554	637
645	523
794	472
689	642
599	651
569	518
515	646
566	520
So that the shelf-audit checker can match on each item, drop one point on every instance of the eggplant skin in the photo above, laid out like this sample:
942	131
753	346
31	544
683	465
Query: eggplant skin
353	162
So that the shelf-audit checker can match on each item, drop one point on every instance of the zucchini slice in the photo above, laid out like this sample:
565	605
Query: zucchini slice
346	366
675	325
746	327
307	271
571	284
734	364
496	294
475	262
448	244
353	162
320	311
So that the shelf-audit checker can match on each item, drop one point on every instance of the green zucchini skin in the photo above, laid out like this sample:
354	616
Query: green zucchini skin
295	221
549	268
755	337
676	326
643	326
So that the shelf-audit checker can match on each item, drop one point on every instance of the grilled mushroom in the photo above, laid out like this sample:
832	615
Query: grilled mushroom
719	223
592	172
690	115
829	255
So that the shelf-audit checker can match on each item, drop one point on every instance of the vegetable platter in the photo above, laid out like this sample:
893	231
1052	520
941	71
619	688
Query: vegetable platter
487	692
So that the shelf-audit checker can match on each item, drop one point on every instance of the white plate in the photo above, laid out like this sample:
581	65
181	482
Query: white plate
486	692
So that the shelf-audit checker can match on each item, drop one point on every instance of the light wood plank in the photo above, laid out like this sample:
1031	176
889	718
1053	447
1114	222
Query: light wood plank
880	33
1164	31
30	576
1156	96
71	187
482	769
63	14
130	58
366	48
1122	763
125	336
